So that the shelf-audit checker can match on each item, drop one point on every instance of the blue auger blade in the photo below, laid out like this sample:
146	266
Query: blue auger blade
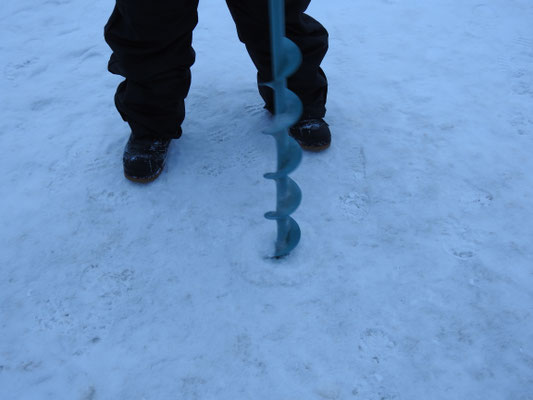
289	203
289	162
291	239
290	60
289	116
286	58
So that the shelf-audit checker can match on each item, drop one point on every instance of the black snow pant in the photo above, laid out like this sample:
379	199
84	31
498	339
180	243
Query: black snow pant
152	48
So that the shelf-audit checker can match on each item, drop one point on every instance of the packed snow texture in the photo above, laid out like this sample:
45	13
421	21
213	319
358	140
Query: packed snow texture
414	277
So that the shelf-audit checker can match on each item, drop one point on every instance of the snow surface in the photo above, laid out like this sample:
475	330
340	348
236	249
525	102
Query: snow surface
414	277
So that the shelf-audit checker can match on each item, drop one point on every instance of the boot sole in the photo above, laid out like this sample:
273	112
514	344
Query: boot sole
315	149
143	180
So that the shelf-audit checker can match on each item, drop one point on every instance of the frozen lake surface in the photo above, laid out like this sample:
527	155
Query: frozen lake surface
414	277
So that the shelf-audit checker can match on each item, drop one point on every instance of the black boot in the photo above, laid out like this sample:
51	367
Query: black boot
144	158
312	134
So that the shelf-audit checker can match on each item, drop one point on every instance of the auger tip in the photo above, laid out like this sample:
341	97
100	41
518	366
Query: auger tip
280	257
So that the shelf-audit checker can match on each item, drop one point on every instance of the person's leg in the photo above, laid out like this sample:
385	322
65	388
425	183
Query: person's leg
151	43
309	82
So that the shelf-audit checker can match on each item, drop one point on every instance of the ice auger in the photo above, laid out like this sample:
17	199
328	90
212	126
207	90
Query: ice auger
286	58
